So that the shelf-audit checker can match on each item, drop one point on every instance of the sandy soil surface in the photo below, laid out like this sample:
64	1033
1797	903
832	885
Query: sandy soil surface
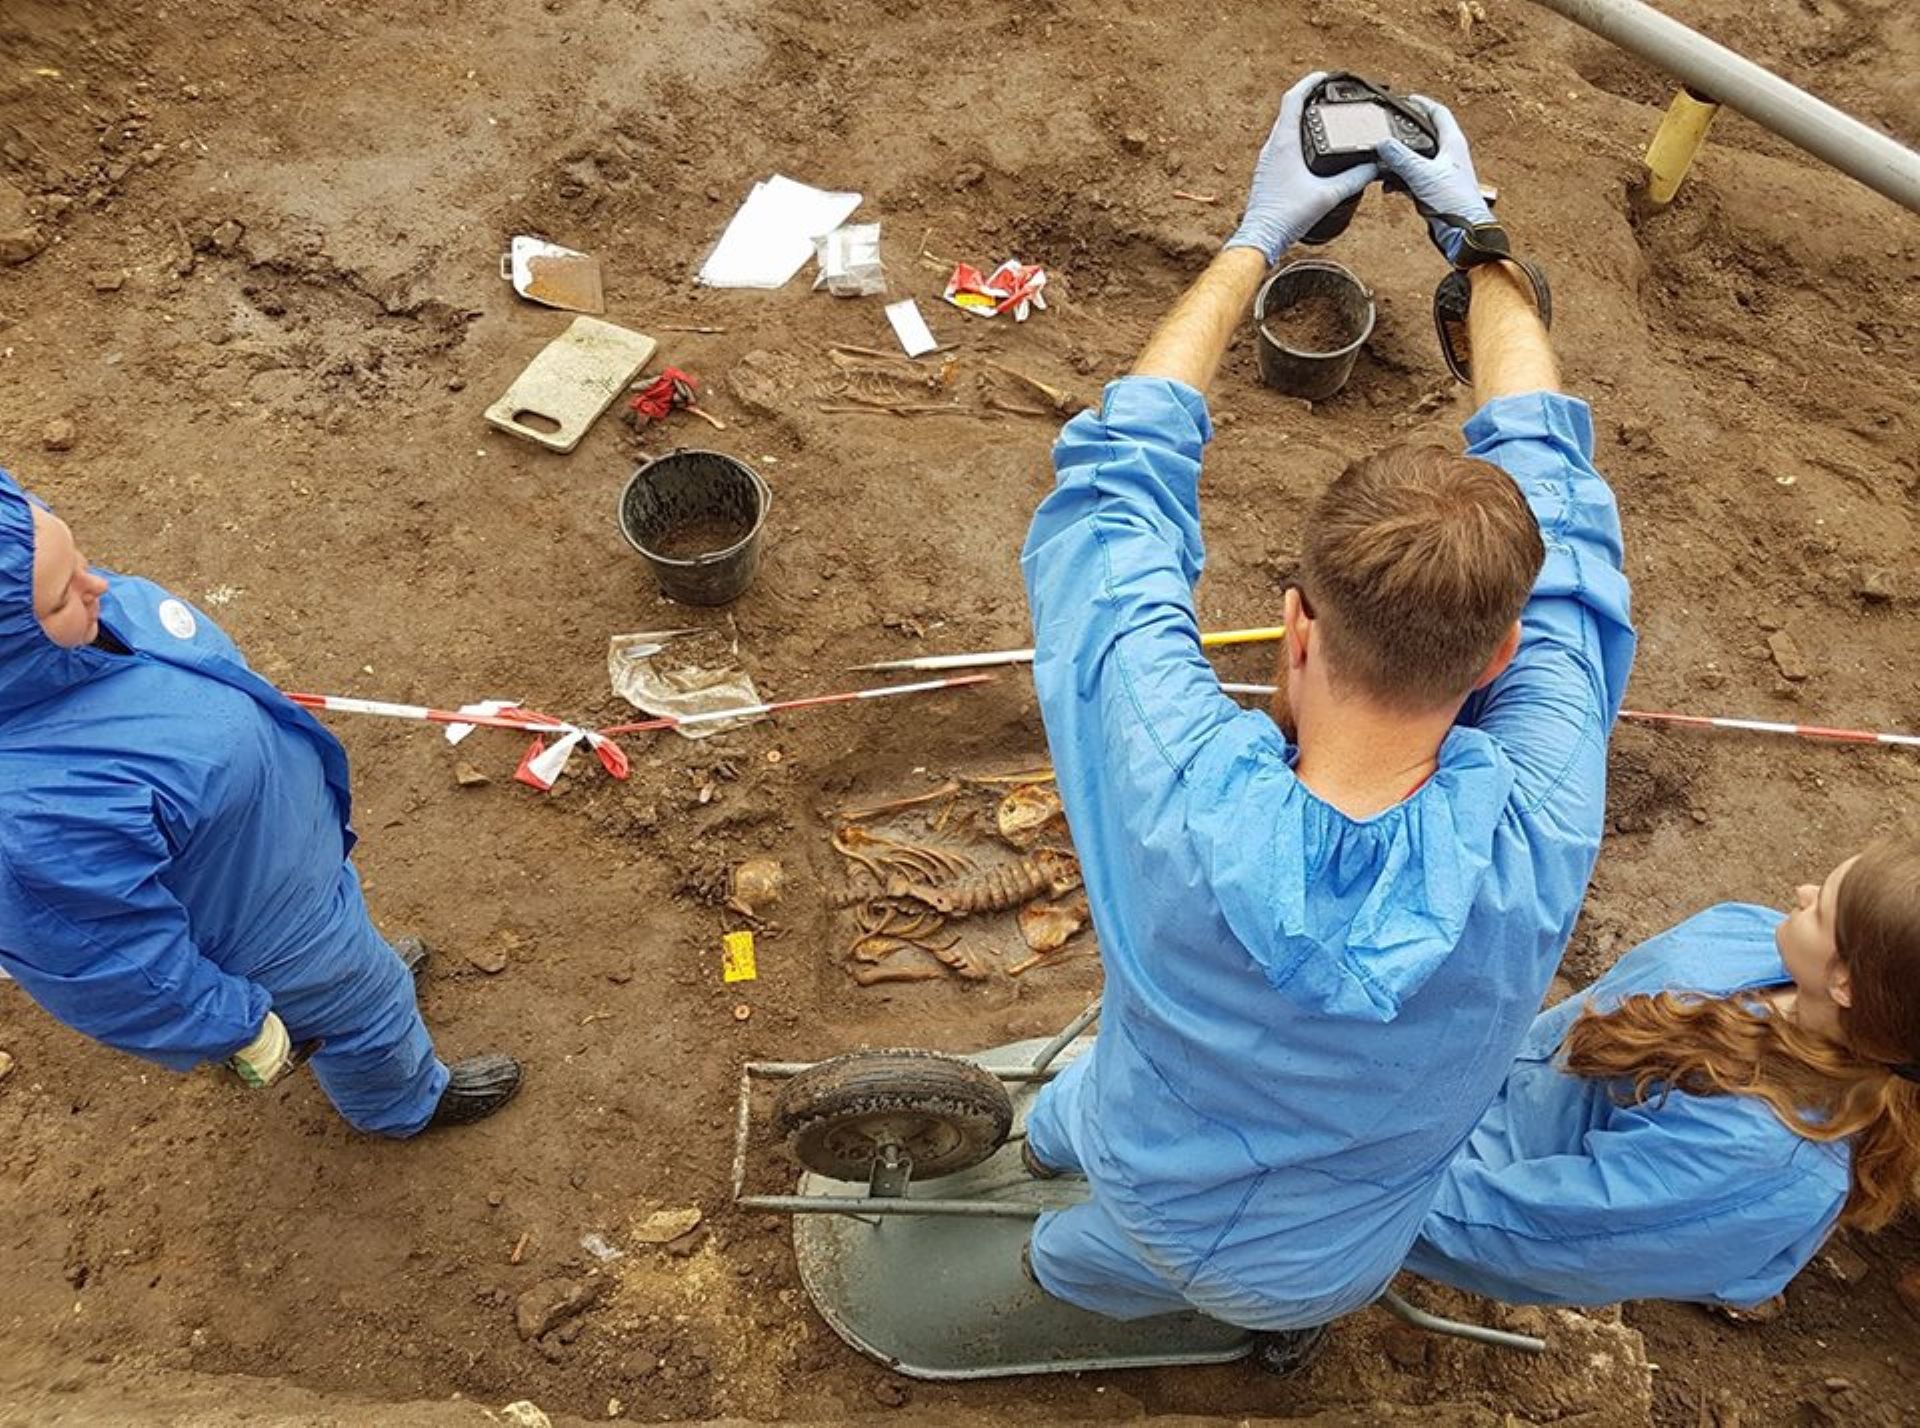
245	349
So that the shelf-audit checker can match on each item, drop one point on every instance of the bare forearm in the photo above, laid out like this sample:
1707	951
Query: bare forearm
1511	352
1188	345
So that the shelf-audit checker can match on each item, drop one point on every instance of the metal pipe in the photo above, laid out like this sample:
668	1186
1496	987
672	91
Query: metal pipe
780	1070
1051	1051
1709	69
869	1205
1457	1329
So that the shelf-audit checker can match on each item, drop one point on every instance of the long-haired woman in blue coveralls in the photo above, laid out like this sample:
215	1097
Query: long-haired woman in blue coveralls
1695	1126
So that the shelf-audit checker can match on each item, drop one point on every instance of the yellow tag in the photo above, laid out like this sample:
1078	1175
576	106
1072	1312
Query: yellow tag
736	960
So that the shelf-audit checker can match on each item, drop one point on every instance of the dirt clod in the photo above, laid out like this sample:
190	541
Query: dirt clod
59	435
552	1302
467	776
891	1393
1786	656
490	958
1876	585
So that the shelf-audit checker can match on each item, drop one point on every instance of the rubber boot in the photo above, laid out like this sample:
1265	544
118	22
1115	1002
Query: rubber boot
1290	1351
414	955
476	1088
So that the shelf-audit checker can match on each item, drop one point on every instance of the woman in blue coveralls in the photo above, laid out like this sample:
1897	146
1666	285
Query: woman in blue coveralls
1695	1126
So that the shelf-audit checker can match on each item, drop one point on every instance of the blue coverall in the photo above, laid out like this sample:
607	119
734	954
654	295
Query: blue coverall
1305	1013
1564	1196
173	852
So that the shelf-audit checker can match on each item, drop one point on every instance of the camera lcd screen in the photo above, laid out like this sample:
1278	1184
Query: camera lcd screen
1354	126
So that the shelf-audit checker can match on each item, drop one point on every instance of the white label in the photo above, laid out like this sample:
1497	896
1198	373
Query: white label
177	620
910	327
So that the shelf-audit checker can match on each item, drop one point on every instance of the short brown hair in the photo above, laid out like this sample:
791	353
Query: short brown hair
1416	563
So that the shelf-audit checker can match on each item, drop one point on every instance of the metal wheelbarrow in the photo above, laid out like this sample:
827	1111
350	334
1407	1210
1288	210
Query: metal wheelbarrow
929	1281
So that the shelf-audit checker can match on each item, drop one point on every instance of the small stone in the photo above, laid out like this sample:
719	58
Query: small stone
620	976
552	1302
615	1408
578	1180
6	1064
1134	141
467	776
1836	1385
1634	435
107	281
197	1340
227	236
59	435
1786	656
495	1199
664	1226
1844	1262
456	384
524	1414
890	1393
491	960
1875	586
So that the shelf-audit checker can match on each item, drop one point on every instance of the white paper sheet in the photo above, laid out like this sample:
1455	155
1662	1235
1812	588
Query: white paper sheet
771	235
910	327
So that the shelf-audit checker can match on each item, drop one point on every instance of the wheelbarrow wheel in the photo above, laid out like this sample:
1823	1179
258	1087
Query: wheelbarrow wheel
944	1112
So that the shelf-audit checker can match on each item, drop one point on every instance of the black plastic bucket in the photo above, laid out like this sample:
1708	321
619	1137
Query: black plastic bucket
1312	375
696	517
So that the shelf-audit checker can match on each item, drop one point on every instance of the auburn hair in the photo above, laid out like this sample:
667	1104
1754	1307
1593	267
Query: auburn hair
1416	563
1819	1088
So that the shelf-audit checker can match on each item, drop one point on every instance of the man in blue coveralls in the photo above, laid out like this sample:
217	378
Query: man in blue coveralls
1325	932
173	850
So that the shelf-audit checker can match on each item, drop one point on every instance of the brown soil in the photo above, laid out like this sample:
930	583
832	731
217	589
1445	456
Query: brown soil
265	297
703	536
1315	323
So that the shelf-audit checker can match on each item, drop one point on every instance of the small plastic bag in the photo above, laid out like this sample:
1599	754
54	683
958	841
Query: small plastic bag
850	261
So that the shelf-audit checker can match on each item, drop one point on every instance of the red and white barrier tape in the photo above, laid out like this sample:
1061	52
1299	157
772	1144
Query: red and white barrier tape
543	763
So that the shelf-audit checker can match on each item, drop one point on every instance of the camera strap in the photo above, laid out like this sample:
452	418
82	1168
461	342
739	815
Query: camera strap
1455	294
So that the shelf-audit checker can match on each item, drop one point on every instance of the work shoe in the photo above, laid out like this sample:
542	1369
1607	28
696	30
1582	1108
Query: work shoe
413	953
1289	1351
476	1088
1034	1165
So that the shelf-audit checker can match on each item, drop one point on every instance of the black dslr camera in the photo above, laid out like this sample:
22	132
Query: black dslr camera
1345	120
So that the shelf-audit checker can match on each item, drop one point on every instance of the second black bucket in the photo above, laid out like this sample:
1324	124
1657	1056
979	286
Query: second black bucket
1343	315
696	517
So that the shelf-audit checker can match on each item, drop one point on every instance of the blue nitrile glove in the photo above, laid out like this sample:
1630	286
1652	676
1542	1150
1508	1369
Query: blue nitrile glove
1444	186
1286	199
